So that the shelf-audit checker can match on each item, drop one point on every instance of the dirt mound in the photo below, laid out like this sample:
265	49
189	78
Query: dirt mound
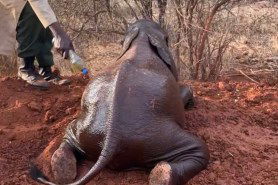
237	120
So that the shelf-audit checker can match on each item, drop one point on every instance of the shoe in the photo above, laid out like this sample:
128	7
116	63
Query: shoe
51	77
28	73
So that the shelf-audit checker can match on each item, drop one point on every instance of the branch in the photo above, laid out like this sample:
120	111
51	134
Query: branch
132	10
207	26
247	76
140	9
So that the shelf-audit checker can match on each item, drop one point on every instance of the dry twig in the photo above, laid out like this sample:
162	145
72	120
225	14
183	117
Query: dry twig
247	76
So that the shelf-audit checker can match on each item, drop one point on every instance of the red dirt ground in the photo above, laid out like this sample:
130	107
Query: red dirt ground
238	120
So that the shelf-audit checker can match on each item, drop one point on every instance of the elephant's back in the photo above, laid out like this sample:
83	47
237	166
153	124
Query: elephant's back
147	102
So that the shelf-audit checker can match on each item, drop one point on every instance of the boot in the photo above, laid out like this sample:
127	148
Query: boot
51	77
28	73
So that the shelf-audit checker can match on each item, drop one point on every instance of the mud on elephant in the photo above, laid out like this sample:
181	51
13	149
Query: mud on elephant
133	118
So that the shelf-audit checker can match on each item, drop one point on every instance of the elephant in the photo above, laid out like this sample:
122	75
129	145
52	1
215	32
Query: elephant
132	117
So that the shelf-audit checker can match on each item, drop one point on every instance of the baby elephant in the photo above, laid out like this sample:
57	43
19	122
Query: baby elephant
133	118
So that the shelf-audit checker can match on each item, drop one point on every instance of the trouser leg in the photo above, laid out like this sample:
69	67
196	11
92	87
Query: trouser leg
33	39
45	56
26	63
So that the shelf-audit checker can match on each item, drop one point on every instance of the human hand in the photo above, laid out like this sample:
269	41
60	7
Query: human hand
61	41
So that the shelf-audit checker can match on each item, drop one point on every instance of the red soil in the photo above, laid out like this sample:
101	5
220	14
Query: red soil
238	121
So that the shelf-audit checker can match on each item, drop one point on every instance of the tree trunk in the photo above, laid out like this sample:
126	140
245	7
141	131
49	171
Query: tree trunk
190	10
204	35
162	9
147	8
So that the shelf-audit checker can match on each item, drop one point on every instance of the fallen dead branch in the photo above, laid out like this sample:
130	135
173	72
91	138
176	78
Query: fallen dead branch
244	74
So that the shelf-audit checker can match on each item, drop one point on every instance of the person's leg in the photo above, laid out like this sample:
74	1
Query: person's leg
27	34
45	56
45	60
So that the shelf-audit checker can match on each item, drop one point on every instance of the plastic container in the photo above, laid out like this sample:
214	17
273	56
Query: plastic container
77	64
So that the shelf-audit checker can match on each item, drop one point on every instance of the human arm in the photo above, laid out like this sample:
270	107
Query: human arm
62	41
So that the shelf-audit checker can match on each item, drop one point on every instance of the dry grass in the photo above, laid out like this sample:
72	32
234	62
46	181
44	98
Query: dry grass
8	66
256	30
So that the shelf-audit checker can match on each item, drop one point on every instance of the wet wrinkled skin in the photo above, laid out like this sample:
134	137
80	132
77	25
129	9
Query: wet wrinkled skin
132	115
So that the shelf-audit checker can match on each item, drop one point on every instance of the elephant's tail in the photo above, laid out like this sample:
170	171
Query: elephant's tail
105	157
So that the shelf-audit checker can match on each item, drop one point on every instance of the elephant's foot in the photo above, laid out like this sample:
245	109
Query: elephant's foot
161	174
63	163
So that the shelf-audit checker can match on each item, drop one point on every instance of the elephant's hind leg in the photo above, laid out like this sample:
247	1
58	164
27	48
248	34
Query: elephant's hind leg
161	174
192	158
63	163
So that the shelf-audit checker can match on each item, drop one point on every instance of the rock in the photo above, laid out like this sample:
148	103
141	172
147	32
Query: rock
221	86
47	105
18	104
5	79
49	117
70	111
2	132
226	86
76	98
200	93
230	88
212	176
34	106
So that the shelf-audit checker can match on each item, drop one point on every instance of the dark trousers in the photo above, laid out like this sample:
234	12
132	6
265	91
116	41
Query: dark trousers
33	39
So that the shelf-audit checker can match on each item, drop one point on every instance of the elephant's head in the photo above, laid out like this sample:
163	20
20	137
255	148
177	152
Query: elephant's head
157	38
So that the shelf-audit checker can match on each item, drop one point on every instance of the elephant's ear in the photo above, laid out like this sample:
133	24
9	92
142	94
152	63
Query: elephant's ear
131	35
164	53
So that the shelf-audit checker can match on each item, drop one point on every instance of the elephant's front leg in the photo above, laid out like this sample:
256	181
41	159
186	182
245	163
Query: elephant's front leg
192	158
187	97
63	163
